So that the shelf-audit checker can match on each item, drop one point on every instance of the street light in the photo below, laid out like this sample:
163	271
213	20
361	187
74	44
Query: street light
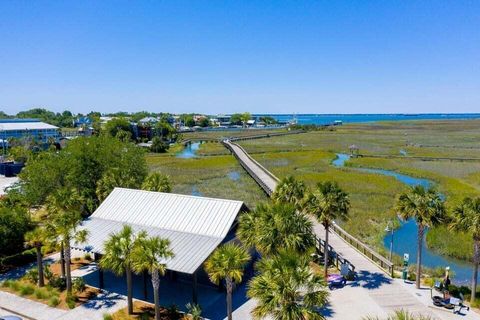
391	230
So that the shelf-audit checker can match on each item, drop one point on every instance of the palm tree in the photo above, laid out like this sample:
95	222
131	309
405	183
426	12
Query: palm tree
112	179
286	288
427	208
62	225
227	263
37	238
118	256
149	254
194	310
328	203
271	228
466	218
289	190
157	182
66	229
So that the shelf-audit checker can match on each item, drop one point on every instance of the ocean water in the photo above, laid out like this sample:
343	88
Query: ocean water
322	119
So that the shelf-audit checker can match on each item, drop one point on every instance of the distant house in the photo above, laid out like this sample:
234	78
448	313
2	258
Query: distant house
223	120
195	226
148	120
104	120
27	128
82	122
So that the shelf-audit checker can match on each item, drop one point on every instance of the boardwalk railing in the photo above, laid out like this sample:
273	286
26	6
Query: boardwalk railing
238	138
382	262
335	257
268	135
372	255
229	145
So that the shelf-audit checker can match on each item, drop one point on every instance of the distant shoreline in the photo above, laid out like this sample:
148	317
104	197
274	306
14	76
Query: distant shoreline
324	119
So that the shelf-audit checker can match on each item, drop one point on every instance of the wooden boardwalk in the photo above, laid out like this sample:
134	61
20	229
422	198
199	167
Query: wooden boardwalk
373	292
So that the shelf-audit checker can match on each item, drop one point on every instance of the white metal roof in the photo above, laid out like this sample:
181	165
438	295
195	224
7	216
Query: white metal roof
34	125
194	225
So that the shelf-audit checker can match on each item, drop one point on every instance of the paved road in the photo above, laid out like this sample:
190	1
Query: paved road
373	293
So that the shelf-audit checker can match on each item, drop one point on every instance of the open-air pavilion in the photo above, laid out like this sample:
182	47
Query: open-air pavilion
195	226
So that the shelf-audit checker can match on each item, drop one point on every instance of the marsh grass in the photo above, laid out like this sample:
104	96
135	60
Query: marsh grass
208	176
372	196
308	156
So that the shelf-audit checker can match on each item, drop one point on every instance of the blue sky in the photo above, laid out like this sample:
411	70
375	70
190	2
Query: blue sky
231	56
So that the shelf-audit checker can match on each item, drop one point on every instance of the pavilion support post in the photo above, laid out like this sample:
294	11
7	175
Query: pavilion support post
195	288
101	281
145	291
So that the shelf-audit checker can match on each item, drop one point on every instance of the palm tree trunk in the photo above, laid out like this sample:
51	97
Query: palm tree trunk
156	297
67	267
128	274
229	297
419	254
62	261
476	254
41	281
325	251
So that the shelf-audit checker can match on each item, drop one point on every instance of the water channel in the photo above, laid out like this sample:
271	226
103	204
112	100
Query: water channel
190	150
405	237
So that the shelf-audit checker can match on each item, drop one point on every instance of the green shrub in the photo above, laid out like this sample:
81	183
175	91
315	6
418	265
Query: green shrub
145	316
41	293
6	283
14	285
400	315
32	275
70	300
19	259
172	310
78	284
456	291
88	257
107	316
47	272
57	282
26	290
194	310
53	301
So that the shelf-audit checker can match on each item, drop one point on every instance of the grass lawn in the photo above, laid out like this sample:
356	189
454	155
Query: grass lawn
308	156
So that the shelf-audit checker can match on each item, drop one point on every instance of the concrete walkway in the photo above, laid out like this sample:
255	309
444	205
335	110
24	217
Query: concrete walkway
373	293
94	309
26	307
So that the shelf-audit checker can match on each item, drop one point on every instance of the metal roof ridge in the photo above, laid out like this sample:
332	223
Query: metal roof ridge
151	227
182	195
